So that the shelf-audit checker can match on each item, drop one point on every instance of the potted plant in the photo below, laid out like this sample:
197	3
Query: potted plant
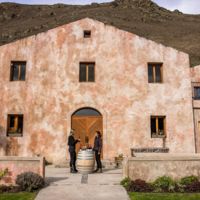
119	160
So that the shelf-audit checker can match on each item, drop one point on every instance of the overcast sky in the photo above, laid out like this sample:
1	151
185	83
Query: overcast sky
186	6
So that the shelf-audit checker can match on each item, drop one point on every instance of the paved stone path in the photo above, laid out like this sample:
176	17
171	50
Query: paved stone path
66	186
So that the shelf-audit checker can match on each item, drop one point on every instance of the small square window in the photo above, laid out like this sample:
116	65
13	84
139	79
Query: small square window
87	72
157	126
15	125
18	71
87	33
155	73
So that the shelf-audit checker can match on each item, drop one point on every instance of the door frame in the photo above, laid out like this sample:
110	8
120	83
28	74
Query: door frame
104	114
90	116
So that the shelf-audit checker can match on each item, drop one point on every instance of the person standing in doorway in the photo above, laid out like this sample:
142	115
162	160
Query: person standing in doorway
97	149
72	151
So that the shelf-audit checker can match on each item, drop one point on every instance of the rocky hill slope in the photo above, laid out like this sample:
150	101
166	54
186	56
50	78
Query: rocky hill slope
142	17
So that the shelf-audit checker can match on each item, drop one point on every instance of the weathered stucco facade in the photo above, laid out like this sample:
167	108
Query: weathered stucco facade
121	92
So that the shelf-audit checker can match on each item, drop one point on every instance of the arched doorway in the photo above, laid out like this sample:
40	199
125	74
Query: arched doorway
86	121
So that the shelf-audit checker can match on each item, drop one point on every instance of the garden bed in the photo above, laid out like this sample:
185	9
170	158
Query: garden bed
26	186
163	184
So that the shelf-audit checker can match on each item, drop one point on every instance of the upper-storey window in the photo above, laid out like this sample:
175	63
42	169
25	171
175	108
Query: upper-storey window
18	71
86	33
158	126
86	72
155	73
196	92
15	125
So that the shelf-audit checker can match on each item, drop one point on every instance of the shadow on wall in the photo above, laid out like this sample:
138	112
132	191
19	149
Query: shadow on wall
8	146
3	142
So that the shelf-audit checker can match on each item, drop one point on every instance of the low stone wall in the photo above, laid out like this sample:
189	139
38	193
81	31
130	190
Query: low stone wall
17	165
149	167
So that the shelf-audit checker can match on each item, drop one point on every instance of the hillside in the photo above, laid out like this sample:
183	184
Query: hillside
142	17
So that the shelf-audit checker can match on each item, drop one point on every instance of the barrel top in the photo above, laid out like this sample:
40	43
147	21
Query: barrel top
86	152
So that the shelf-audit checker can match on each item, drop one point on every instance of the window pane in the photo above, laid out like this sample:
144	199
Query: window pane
153	125
12	122
161	126
150	73
158	73
14	72
91	72
82	73
197	92
23	71
20	124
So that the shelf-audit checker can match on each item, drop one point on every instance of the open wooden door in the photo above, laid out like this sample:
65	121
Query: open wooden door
85	125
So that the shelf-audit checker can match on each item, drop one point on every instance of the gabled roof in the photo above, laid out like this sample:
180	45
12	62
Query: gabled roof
92	20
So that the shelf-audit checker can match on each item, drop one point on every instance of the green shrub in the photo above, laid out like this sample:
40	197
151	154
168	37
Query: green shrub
188	180
187	184
190	184
30	181
164	184
125	182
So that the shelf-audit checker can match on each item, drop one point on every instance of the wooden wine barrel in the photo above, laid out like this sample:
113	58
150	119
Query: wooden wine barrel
85	161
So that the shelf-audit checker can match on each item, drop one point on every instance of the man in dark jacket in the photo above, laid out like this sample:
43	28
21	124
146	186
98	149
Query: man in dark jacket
72	151
97	149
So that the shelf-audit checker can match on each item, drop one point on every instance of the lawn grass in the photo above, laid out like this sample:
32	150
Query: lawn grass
18	196
164	196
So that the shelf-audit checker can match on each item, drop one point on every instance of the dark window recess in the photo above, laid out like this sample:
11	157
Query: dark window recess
196	92
18	71
15	125
82	73
155	73
158	126
158	73
150	74
153	126
87	72
87	34
91	72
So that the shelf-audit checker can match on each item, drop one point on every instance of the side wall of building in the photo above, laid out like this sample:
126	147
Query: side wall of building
195	77
121	92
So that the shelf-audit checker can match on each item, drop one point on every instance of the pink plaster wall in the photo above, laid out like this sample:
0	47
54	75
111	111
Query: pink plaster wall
18	165
121	92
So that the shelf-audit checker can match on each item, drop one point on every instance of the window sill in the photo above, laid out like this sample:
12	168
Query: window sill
14	135
86	81
158	136
155	82
17	80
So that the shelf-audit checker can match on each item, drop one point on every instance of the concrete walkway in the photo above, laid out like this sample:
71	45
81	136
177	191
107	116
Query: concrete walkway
66	186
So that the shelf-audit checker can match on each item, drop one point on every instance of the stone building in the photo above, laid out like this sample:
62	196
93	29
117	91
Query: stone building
90	76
